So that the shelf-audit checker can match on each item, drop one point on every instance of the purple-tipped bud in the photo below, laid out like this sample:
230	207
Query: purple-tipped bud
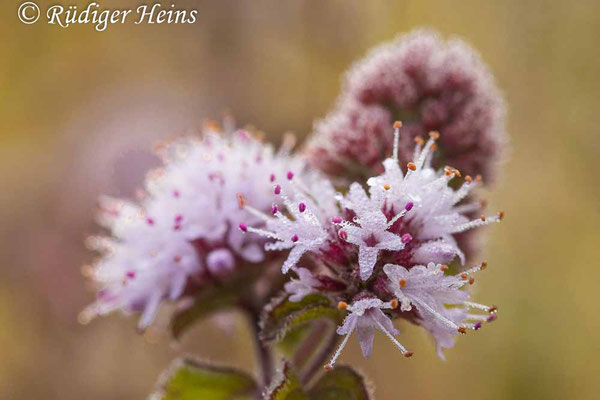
301	207
407	237
274	209
409	206
492	318
290	175
477	325
295	238
244	227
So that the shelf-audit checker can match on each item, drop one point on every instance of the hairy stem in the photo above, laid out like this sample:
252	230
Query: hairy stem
264	357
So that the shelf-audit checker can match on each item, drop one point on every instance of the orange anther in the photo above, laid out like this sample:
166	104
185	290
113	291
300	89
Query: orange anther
241	200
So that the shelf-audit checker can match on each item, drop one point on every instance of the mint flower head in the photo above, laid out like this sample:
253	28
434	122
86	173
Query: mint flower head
432	85
373	244
182	236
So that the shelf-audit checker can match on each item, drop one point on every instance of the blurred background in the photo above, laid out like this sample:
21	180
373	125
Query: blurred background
80	110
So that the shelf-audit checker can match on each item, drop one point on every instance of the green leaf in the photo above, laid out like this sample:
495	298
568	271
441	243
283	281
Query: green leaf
342	383
286	387
208	301
188	379
283	316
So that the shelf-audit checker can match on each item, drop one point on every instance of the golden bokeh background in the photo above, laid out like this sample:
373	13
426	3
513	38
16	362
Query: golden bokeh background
80	110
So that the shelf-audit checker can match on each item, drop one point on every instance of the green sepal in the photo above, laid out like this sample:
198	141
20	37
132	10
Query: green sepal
286	386
188	379
341	383
282	316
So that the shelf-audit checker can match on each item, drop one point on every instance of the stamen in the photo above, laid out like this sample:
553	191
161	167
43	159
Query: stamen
329	366
479	267
272	177
477	317
336	220
433	136
397	126
405	352
386	186
394	304
402	283
277	189
439	316
477	306
475	223
274	209
301	207
411	166
295	238
257	213
406	238
262	232
399	215
290	175
342	305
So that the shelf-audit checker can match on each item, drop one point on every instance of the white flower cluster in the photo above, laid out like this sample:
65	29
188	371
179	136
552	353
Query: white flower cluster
184	231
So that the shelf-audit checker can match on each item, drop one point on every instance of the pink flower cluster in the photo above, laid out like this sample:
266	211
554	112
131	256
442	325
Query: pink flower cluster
431	85
386	248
